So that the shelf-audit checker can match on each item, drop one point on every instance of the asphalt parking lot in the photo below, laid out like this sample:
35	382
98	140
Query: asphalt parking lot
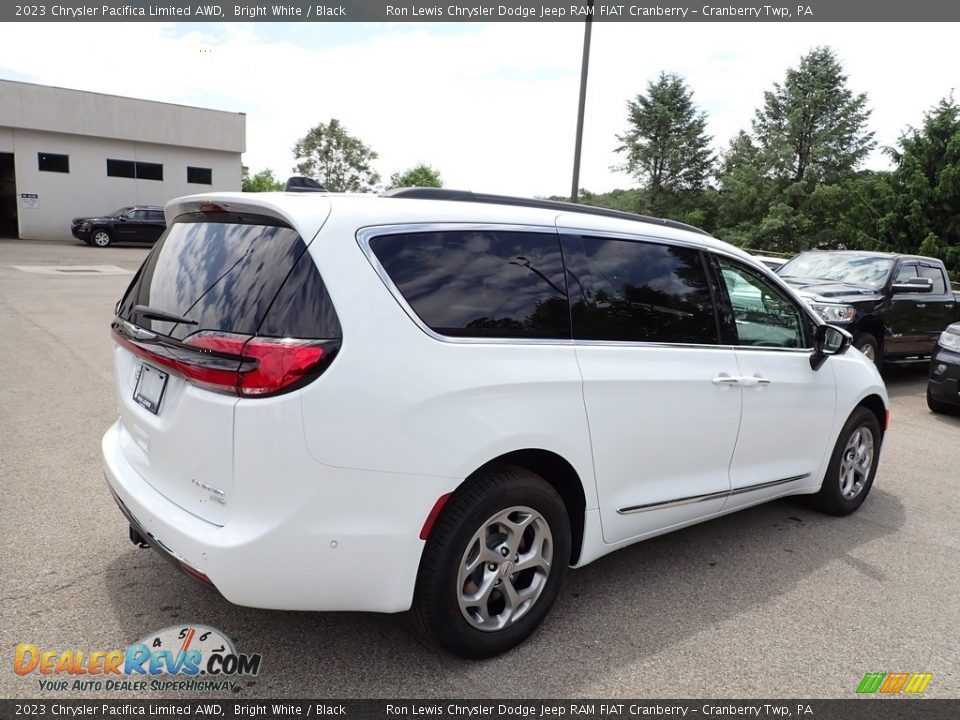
775	601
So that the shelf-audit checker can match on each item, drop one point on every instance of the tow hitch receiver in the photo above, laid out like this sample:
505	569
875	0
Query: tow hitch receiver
137	539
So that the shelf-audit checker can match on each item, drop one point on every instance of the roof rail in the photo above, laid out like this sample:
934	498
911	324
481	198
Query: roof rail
422	193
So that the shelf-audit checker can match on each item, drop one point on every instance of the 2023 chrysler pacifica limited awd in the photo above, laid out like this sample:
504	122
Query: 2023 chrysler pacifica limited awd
442	400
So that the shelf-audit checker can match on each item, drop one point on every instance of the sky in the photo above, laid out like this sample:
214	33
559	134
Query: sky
492	106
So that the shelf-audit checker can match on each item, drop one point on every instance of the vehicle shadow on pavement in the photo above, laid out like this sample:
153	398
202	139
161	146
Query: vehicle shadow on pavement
948	420
906	380
621	610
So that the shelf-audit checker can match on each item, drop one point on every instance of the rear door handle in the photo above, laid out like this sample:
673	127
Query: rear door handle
921	306
725	380
755	381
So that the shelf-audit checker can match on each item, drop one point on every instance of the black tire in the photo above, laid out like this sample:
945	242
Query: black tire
832	498
461	527
101	237
868	344
940	407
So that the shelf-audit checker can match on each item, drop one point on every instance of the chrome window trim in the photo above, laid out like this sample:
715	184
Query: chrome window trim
366	234
696	346
650	344
634	237
709	496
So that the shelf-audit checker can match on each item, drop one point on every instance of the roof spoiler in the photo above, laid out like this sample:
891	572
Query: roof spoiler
300	183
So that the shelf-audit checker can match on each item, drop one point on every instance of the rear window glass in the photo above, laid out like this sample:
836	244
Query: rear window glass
480	283
302	308
226	276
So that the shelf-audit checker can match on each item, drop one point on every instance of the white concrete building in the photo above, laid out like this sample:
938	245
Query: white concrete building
68	153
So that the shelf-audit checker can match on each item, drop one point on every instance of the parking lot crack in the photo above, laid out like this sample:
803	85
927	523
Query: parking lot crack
67	586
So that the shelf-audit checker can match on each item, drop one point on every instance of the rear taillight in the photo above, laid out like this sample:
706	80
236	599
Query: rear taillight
280	363
239	364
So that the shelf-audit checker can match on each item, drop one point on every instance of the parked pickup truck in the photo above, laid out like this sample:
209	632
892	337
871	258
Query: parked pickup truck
895	306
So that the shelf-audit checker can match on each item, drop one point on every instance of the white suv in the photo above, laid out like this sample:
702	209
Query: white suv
442	400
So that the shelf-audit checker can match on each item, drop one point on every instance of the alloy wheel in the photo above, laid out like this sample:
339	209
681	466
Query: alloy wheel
505	568
856	462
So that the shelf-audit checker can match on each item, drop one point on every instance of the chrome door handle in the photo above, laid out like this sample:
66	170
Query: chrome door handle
755	381
724	379
921	306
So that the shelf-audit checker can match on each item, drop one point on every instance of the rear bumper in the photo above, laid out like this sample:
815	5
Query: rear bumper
349	541
138	534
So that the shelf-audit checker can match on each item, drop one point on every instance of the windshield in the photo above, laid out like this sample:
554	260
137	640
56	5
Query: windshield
839	267
119	213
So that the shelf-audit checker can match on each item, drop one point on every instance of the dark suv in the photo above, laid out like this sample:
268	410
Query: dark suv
136	223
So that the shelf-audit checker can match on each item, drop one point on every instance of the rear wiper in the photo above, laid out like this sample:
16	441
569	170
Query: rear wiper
154	314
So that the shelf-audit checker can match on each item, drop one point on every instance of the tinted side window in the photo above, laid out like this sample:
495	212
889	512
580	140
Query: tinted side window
155	215
935	274
906	272
638	291
480	283
764	316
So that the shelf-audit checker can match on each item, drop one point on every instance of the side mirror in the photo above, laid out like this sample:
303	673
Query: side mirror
828	340
914	285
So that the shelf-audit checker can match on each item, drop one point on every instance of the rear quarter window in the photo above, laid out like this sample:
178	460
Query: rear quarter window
480	283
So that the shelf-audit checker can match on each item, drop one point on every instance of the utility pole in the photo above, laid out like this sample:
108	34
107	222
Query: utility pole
584	65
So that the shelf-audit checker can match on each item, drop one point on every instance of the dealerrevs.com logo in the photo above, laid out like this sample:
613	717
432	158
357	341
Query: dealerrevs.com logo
193	657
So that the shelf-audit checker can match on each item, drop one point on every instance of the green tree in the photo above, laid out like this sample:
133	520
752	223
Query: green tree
745	194
623	200
421	175
793	184
924	215
263	181
666	146
332	156
813	123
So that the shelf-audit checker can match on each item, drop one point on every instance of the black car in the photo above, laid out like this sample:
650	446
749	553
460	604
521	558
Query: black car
943	388
136	223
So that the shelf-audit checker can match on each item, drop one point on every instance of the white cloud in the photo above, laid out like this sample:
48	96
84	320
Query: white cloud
493	106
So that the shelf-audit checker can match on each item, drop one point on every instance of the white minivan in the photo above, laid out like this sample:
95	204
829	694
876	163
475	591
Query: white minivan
439	400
